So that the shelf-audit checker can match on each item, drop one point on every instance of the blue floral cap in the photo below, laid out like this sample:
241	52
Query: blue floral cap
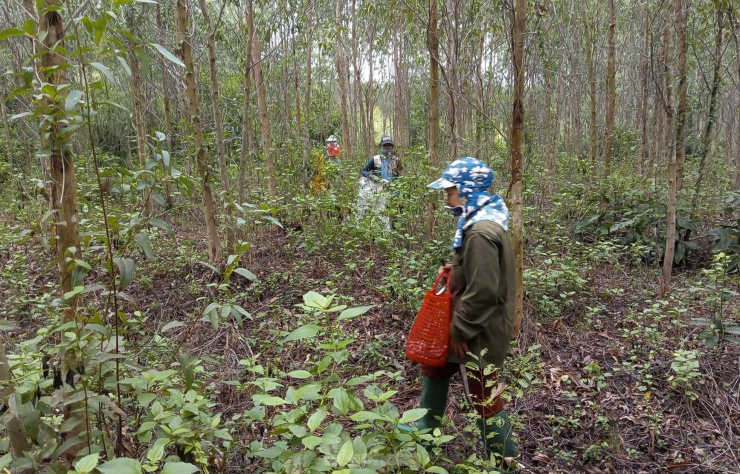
468	174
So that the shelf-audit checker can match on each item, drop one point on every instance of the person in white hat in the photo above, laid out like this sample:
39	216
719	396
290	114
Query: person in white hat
377	174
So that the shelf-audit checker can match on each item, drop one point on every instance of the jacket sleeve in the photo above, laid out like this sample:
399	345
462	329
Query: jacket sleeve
478	302
367	171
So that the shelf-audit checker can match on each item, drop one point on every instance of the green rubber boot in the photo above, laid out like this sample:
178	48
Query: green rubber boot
498	437
434	399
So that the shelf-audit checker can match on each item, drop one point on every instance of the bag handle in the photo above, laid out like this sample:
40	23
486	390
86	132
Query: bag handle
443	273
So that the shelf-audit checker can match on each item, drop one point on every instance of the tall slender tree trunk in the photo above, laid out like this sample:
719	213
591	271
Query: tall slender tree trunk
591	81
736	36
642	157
247	135
672	188
517	160
611	89
223	167
683	46
711	115
259	82
342	72
167	109
63	201
297	92
433	47
214	246
307	108
6	127
358	82
137	97
548	107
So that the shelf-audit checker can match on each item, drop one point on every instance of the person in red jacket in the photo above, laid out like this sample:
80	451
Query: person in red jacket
332	148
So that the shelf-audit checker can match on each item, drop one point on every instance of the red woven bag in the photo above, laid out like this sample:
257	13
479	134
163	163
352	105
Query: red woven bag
429	339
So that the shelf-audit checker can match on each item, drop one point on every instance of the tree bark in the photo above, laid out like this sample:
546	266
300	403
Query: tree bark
711	115
736	36
247	136
214	246
342	72
517	160
307	107
262	105
591	82
433	47
218	123
63	201
6	127
672	189
642	157
167	111
548	107
683	46
611	89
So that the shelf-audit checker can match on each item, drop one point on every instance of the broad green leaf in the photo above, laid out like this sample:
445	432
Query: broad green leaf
366	416
437	470
178	468
164	52
316	300
345	453
300	374
73	98
162	225
267	400
104	69
6	325
353	312
121	466
246	274
413	415
6	460
124	65
315	420
270	453
10	32
146	245
170	325
126	271
303	332
360	450
87	463
311	441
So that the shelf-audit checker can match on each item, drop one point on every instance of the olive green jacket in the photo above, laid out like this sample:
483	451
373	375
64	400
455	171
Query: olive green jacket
482	286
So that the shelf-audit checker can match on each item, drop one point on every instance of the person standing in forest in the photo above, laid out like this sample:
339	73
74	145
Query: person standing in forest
333	149
377	175
482	285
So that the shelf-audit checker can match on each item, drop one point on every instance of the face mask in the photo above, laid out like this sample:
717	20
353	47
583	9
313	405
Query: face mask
456	211
386	151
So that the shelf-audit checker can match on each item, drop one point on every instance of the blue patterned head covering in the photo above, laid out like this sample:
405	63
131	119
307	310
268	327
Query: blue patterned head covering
472	178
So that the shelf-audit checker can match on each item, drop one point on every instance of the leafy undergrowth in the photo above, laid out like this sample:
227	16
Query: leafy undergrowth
605	377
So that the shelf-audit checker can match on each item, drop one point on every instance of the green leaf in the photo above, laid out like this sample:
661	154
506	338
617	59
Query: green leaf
6	460
146	245
267	400
10	32
353	312
104	69
311	442
304	332
270	453
163	51
121	466
73	98
87	463
126	271
345	453
316	300
413	415
124	65
437	470
170	325
315	420
162	225
6	325
366	416
246	274
300	374
178	468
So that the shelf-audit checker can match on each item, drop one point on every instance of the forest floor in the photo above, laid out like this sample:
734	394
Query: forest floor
593	387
